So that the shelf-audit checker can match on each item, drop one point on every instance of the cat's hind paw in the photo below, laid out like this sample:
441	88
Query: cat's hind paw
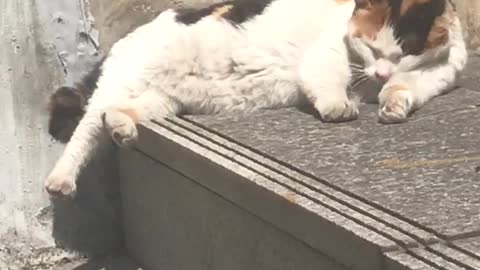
121	126
339	111
60	186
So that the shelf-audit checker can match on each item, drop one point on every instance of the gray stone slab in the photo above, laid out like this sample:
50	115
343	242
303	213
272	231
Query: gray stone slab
314	220
114	262
404	233
172	222
456	254
470	77
423	171
240	177
403	261
462	254
469	245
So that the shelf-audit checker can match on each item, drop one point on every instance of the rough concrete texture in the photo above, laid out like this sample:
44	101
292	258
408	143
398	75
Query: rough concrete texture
469	12
322	206
175	223
423	170
251	187
471	245
45	44
115	19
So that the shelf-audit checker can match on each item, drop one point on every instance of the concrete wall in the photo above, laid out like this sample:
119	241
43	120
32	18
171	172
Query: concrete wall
45	44
469	11
116	18
201	229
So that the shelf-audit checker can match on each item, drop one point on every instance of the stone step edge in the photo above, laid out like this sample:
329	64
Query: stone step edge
363	227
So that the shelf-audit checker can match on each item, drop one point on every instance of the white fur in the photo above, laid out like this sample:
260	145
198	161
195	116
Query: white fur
295	49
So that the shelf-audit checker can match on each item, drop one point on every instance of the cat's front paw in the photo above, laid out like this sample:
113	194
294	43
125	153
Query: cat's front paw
338	111
395	108
60	186
121	127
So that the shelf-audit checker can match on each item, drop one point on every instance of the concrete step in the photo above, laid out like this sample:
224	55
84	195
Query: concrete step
281	190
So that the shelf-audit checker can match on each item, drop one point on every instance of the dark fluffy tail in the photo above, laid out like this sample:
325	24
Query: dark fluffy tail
67	105
66	109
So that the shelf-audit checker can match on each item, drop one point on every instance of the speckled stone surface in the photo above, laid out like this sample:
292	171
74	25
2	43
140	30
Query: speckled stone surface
470	77
424	171
471	245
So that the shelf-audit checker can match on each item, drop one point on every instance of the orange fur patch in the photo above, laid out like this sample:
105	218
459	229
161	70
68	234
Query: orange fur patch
342	1
370	18
395	88
132	113
220	11
439	34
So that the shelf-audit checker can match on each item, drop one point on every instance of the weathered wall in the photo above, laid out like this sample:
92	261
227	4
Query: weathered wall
44	44
469	11
116	18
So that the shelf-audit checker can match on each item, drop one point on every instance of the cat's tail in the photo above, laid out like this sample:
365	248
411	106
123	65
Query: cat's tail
67	104
66	110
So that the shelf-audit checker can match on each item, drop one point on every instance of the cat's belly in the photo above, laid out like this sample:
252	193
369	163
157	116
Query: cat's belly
200	95
226	72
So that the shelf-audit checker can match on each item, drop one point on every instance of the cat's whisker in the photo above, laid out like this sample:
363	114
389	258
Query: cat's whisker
359	76
356	65
359	81
357	68
358	72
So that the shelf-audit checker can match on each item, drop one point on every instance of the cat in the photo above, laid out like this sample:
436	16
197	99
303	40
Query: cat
247	55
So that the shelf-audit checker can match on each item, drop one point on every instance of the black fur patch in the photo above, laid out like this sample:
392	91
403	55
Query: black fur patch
66	110
89	81
413	27
240	11
67	105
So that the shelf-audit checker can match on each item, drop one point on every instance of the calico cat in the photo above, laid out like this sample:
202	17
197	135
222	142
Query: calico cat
259	54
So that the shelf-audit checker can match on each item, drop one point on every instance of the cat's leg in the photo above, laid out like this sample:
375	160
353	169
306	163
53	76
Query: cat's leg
409	91
121	120
324	79
77	153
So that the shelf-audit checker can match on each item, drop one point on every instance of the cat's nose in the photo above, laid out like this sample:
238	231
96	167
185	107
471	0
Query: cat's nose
381	76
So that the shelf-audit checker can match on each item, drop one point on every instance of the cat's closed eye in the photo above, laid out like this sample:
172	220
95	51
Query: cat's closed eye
395	57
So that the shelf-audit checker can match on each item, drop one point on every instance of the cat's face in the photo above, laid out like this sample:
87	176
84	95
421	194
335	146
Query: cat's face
391	34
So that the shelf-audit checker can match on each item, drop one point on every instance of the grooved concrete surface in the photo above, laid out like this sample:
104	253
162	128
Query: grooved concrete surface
424	170
360	194
420	178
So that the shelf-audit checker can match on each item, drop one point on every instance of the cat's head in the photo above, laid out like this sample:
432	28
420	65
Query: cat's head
392	35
